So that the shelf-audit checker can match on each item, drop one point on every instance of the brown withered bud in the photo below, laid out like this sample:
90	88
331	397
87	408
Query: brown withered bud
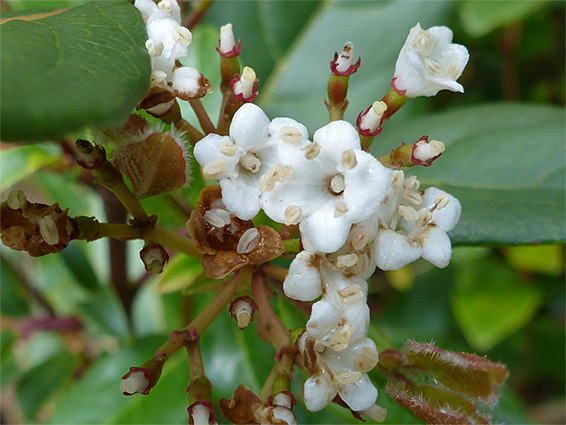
247	408
228	242
36	228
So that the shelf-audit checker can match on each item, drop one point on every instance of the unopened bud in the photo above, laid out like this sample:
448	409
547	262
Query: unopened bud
227	42
136	381
201	413
154	258
154	48
16	199
369	122
88	155
284	414
242	310
245	87
425	153
343	64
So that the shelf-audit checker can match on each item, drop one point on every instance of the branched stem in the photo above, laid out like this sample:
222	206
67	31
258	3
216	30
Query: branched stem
202	116
176	242
274	272
197	14
269	326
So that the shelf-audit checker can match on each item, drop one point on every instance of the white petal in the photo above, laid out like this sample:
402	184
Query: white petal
366	185
360	395
319	391
240	197
446	218
303	282
324	317
277	124
325	232
337	137
208	149
393	251
187	80
146	7
249	127
437	248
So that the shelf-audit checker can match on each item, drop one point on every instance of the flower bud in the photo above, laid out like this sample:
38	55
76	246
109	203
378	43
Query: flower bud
425	152
135	382
242	310
154	258
343	64
244	88
201	413
89	156
369	121
189	83
227	45
154	163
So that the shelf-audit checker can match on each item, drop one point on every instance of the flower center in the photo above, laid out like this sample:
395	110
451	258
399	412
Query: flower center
336	185
250	162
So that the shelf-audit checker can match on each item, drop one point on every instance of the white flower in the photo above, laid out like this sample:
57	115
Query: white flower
240	160
343	373
414	224
429	62
335	184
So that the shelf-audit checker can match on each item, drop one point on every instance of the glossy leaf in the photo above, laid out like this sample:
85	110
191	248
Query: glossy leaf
20	162
504	162
490	303
72	68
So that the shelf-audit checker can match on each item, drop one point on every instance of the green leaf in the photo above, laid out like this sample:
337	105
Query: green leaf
40	382
546	259
13	301
78	264
73	68
490	302
22	161
377	29
179	273
504	162
481	17
104	313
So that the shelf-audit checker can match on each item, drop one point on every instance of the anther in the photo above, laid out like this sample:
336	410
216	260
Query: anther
345	261
249	241
228	149
340	208
293	215
337	184
214	169
16	199
349	160
408	213
48	230
290	135
311	150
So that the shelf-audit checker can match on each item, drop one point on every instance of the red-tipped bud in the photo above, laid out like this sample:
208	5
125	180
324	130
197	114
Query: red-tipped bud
227	47
343	64
425	152
369	121
242	310
154	163
201	413
244	88
154	258
89	156
140	380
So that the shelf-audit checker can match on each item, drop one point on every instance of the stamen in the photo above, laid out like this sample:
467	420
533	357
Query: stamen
290	135
352	294
154	48
249	241
293	215
311	150
433	67
359	237
441	201
338	339
16	199
398	178
340	208
423	43
424	217
411	183
344	261
408	213
246	84
413	197
182	36
337	184
214	169
366	360
217	217
250	162
349	160
349	377
48	230
228	149
276	174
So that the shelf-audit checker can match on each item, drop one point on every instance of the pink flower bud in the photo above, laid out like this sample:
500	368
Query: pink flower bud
425	152
245	87
343	64
227	45
369	121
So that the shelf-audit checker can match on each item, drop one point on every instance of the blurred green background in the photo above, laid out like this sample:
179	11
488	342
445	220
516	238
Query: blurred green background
504	298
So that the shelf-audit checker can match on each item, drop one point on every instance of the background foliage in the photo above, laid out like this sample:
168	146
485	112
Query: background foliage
502	295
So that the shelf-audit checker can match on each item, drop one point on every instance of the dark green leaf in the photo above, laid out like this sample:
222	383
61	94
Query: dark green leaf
504	162
104	312
85	66
78	264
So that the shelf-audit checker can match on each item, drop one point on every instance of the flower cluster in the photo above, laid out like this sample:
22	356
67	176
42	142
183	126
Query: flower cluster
167	43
